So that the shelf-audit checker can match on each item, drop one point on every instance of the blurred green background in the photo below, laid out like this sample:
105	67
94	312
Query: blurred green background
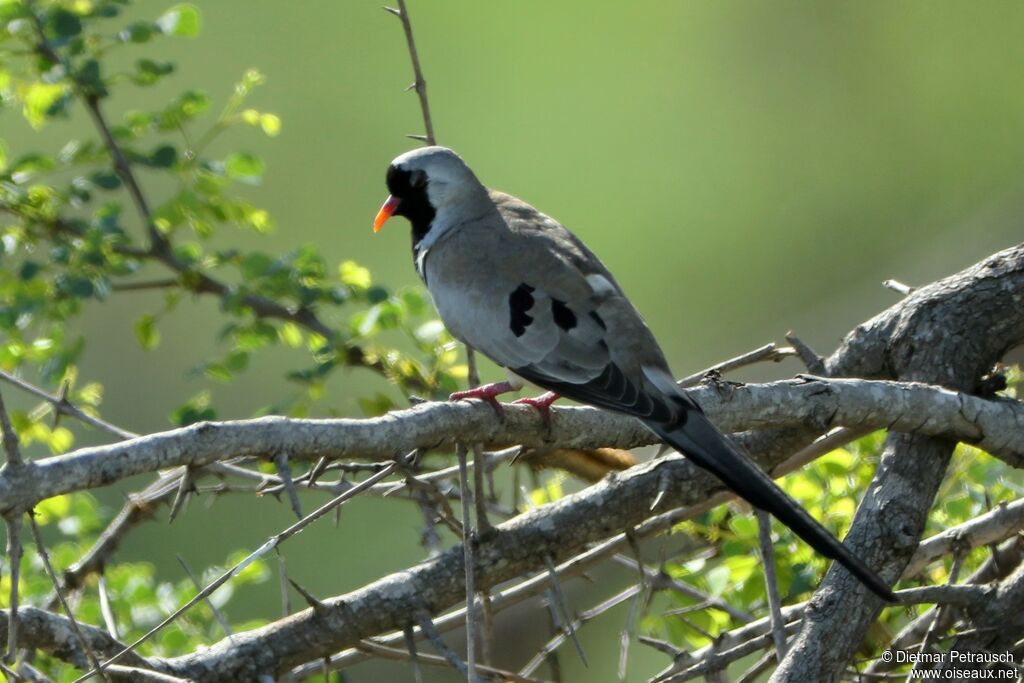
744	168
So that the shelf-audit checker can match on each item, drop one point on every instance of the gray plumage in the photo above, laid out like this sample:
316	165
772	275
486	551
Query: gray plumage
516	285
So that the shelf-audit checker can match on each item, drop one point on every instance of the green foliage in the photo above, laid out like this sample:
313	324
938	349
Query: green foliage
829	489
138	599
73	235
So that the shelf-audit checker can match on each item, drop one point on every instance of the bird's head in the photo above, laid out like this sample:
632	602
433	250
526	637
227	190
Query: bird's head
432	187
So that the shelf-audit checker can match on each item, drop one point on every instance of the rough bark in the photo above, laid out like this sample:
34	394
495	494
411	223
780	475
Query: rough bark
948	333
815	405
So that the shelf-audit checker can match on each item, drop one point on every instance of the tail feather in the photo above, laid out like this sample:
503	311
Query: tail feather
700	440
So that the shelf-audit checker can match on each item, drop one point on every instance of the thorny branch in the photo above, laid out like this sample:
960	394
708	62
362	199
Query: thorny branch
994	425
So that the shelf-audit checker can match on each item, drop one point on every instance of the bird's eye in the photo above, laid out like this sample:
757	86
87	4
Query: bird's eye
418	179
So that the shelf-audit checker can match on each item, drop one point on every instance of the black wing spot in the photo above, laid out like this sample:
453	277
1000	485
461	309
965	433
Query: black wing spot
597	319
519	302
563	315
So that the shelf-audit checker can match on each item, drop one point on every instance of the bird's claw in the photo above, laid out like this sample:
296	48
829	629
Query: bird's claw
541	403
486	392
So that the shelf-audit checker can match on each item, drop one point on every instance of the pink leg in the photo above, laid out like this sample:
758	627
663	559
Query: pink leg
542	403
486	392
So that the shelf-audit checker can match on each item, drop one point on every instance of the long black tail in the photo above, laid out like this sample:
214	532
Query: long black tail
701	441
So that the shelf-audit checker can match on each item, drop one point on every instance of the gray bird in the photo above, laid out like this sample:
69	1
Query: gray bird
516	285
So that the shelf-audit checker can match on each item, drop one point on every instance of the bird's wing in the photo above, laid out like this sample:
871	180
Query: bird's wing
524	291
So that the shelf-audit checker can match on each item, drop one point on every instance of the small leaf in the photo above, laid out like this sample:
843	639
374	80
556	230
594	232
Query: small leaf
271	124
64	24
149	72
717	580
180	20
196	409
108	180
146	332
255	265
163	156
60	440
244	166
354	275
290	334
39	101
139	32
51	509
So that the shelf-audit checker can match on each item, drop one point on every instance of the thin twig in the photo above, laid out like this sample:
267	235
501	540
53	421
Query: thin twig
285	473
185	488
62	406
217	614
13	523
385	652
14	553
137	675
106	609
410	645
487	641
768	352
760	666
563	634
10	437
563	608
814	363
897	286
45	557
164	283
282	579
934	629
428	628
764	529
271	543
467	556
420	84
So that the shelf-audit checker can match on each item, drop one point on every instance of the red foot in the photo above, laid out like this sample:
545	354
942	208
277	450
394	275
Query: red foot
542	403
487	392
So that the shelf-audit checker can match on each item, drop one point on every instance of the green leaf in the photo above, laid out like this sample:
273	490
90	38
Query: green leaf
354	275
63	24
218	371
108	180
255	265
717	580
163	156
244	167
146	332
51	509
39	100
271	124
290	334
28	270
196	409
180	20
75	285
149	72
139	32
60	440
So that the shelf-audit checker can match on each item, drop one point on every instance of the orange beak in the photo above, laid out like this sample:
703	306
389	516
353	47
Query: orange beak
386	212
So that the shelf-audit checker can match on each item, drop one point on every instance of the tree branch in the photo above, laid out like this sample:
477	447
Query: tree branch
949	333
993	425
